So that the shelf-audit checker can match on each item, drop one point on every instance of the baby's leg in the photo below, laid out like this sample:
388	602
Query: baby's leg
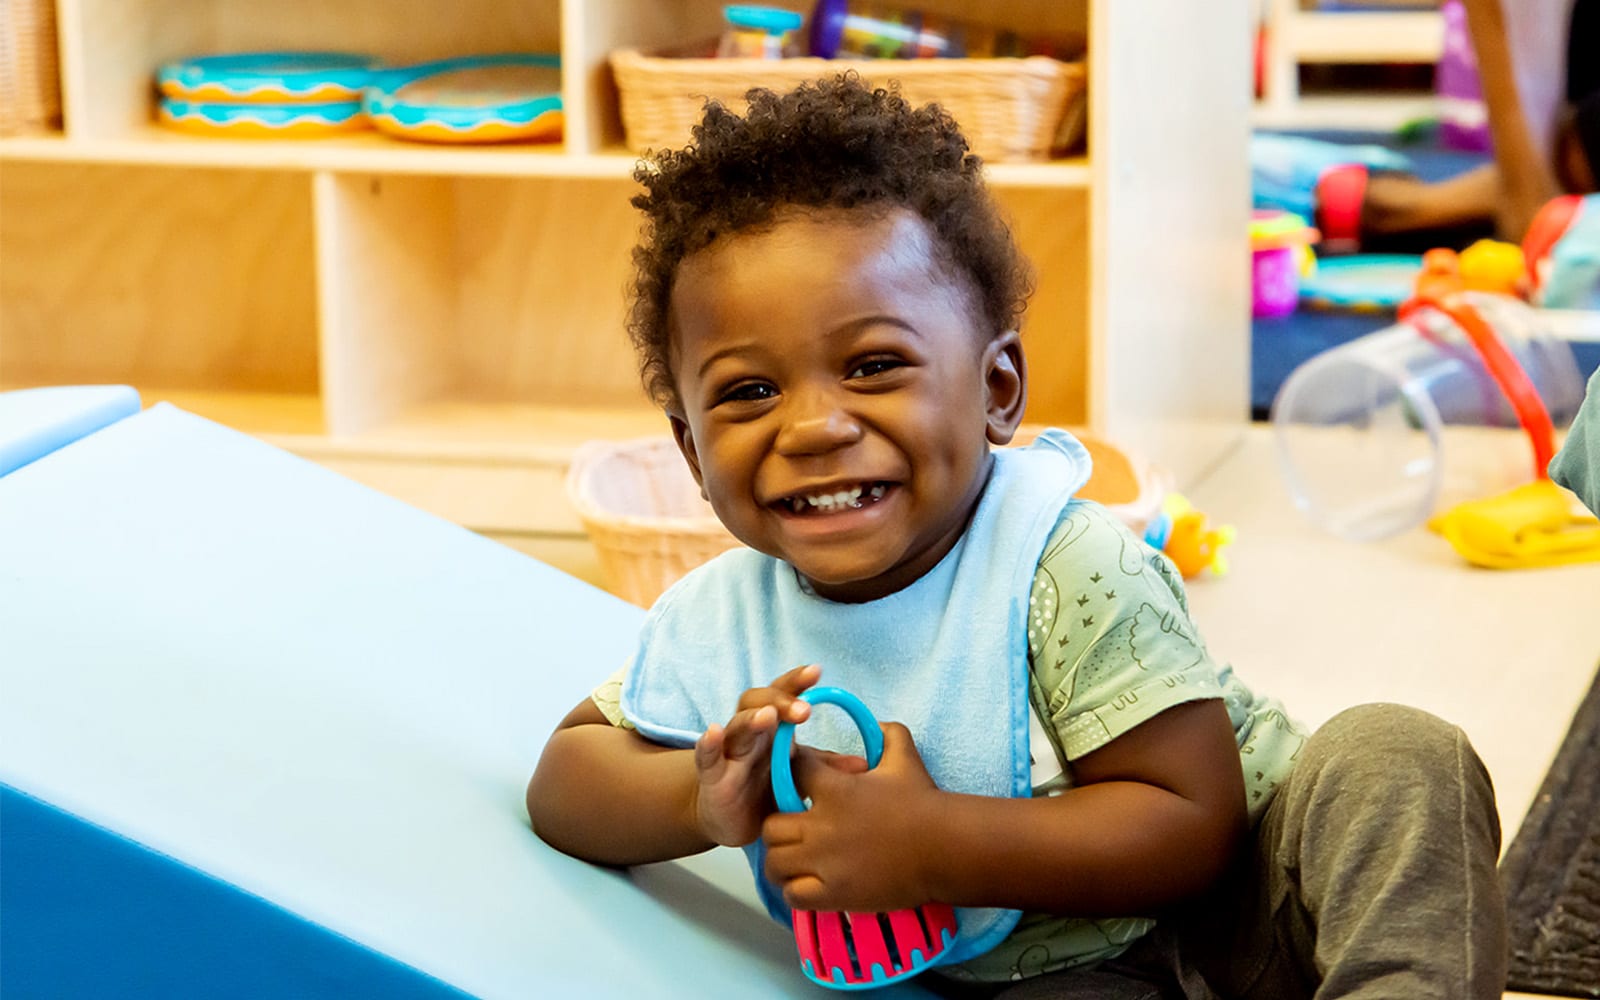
1378	858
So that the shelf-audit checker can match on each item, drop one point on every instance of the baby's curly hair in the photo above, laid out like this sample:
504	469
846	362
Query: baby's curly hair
835	144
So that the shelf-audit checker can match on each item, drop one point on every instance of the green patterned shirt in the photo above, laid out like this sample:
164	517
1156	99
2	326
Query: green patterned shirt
1110	645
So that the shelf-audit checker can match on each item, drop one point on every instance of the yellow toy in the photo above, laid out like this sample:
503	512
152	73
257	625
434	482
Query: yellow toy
1535	524
1184	535
1492	266
1486	266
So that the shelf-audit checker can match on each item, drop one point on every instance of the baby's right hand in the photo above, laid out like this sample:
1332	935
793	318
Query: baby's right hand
734	761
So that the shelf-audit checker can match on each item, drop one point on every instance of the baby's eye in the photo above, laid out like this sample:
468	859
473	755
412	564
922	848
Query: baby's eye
875	366
747	392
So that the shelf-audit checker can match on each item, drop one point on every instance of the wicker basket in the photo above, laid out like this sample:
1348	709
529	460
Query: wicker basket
1009	109
650	525
30	90
644	514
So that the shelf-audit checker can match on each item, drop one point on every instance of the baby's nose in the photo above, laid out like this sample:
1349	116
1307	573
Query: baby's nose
817	425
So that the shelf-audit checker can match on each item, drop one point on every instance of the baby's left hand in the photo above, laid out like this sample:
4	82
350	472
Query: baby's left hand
862	845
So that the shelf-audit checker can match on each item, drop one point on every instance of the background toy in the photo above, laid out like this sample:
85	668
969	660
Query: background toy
1187	538
850	951
262	121
1359	427
1280	252
511	97
1492	266
1361	282
1562	249
759	33
265	95
268	78
1485	266
1535	524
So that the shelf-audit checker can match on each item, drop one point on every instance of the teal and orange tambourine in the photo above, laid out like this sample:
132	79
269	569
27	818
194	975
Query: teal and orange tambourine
277	78
262	121
511	97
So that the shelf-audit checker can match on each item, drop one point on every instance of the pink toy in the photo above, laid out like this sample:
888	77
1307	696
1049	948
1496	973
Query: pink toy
1279	253
851	951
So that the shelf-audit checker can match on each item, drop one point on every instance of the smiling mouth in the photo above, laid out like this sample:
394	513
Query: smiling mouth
834	501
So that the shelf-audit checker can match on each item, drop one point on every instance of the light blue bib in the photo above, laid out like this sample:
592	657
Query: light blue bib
947	656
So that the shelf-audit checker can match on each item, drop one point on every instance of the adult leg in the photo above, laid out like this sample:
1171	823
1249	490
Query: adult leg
1402	203
1521	47
1379	857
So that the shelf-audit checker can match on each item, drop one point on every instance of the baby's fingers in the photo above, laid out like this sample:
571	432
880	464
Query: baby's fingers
749	733
708	748
783	694
849	763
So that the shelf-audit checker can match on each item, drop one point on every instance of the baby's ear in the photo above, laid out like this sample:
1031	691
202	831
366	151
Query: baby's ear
685	439
1005	376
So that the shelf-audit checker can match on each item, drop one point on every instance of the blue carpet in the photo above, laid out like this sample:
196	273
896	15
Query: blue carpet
1279	346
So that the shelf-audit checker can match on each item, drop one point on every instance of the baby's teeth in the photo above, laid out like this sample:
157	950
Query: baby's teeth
832	501
877	492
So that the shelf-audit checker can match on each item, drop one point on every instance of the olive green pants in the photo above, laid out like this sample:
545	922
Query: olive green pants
1372	876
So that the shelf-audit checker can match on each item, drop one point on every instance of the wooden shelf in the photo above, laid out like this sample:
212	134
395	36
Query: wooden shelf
259	413
1364	37
1295	36
372	153
446	323
474	431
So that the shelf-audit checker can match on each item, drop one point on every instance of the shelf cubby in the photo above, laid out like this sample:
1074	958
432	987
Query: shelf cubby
446	323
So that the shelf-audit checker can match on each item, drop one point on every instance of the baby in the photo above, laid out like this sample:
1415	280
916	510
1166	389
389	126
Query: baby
826	308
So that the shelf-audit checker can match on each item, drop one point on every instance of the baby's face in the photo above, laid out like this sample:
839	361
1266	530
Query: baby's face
836	396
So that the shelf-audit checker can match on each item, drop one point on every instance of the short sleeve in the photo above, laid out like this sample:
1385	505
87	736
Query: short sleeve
1109	635
608	698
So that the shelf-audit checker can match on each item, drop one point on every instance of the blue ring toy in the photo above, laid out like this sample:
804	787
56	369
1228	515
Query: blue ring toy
783	787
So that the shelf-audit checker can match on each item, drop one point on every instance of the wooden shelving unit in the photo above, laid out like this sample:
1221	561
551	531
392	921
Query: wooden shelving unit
446	324
1296	36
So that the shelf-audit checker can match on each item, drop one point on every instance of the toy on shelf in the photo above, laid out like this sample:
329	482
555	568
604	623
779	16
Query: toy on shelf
271	95
1280	254
1463	118
511	97
263	121
759	33
852	951
1187	538
854	29
268	78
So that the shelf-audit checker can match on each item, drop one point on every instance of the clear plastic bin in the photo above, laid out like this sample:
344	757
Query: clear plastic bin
1359	427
